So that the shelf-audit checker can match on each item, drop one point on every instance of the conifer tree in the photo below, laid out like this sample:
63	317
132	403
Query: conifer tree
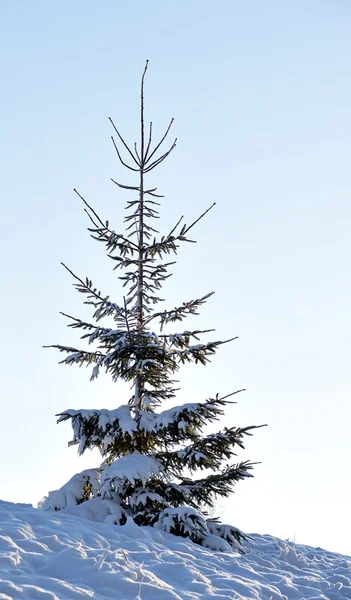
147	452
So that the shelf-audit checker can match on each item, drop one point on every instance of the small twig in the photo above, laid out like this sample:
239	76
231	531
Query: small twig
149	142
152	193
232	394
161	158
85	324
230	340
190	333
120	157
104	226
91	219
83	283
126	319
123	142
175	226
75	276
142	151
197	220
126	187
136	152
162	140
90	208
74	318
113	233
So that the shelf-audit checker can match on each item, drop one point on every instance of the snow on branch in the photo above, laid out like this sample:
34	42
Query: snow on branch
233	536
103	429
79	357
127	354
206	452
184	521
204	490
130	468
180	422
75	491
100	510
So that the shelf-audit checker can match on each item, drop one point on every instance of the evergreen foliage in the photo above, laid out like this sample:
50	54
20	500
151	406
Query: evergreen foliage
145	450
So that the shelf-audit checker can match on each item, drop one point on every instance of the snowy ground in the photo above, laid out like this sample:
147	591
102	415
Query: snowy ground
52	556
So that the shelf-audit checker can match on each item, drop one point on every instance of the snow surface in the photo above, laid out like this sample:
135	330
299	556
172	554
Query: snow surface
55	556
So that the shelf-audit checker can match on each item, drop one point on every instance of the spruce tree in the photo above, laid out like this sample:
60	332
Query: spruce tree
147	451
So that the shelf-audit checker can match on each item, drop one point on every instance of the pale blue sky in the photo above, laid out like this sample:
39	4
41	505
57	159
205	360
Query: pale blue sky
261	96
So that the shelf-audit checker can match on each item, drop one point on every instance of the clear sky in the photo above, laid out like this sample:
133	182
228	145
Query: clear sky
261	96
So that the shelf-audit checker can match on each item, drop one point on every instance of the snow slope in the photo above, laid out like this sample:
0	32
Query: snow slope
53	556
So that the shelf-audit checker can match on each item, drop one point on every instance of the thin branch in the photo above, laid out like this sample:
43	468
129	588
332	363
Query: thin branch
104	226
230	340
113	233
161	158
142	152
162	140
120	157
126	318
90	208
91	218
232	394
84	284
190	333
136	152
95	355
85	325
77	320
152	193
149	142
197	220
123	142
185	308
175	226
77	278
126	187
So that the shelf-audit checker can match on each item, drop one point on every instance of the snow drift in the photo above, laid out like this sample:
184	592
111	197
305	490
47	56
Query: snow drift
57	556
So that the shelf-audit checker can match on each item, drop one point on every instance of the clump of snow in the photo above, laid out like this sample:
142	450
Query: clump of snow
57	556
131	467
153	421
99	510
184	521
106	419
70	494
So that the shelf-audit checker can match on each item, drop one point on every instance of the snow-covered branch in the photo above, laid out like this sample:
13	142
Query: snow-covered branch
206	452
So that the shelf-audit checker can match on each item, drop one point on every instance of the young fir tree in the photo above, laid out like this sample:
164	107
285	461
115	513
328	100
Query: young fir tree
146	451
